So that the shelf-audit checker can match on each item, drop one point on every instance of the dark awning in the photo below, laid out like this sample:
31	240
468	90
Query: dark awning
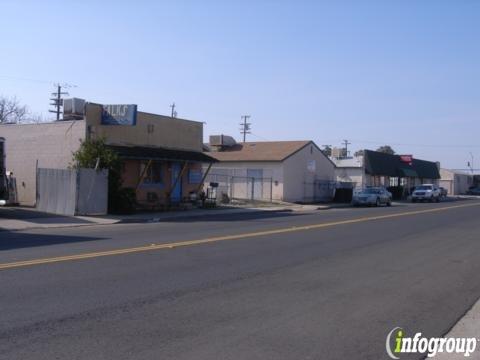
407	172
158	153
381	164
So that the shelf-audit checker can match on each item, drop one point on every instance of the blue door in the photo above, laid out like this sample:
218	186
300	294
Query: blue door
176	194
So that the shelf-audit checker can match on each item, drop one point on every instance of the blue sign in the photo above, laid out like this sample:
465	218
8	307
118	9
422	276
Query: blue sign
119	115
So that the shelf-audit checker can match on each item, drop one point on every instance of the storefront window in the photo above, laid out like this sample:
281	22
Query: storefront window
393	181
153	174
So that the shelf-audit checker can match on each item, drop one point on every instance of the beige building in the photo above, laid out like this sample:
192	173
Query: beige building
162	155
456	182
295	171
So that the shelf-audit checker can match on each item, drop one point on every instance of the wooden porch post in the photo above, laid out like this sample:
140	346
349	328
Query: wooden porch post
204	177
142	175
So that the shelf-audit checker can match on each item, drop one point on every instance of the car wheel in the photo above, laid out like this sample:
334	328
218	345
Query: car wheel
377	203
414	200
389	203
437	199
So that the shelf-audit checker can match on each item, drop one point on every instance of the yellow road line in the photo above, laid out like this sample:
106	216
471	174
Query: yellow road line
152	247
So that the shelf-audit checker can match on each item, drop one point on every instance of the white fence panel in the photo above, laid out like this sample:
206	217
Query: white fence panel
92	195
72	192
56	191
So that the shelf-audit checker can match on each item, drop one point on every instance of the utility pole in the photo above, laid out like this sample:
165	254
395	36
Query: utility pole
471	163
245	127
174	113
346	143
57	100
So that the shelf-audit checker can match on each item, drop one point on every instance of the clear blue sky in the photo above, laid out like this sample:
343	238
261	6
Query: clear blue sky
405	73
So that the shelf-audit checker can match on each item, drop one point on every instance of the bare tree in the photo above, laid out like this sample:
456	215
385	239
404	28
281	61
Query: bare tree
11	111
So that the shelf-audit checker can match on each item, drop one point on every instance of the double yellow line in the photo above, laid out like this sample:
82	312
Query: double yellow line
172	245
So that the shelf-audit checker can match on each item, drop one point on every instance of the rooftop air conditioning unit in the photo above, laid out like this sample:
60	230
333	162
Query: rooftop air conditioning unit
73	106
222	140
216	140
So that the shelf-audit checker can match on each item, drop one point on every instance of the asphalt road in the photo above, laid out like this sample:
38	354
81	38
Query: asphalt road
323	285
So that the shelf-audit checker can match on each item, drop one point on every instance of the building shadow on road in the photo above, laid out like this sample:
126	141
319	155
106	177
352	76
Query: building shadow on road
37	217
10	240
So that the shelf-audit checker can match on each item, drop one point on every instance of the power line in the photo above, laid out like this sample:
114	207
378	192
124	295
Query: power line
416	145
26	79
260	137
402	144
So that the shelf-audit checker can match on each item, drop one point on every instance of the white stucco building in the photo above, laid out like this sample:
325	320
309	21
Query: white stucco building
350	170
456	182
294	171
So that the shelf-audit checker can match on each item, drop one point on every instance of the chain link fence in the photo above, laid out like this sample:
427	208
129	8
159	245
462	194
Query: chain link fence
319	191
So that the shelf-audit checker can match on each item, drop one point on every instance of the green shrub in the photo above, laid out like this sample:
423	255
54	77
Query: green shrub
94	153
122	201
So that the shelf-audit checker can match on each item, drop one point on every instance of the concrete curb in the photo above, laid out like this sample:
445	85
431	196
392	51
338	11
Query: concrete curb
141	220
186	216
466	327
57	226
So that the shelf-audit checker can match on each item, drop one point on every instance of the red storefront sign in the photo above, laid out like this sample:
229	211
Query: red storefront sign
406	159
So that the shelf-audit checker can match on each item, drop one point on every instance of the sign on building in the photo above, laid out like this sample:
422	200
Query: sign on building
119	115
408	159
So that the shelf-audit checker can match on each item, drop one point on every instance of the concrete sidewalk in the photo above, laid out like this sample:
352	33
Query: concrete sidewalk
467	327
17	219
20	218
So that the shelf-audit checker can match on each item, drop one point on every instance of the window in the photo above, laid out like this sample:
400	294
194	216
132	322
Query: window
194	176
393	181
153	174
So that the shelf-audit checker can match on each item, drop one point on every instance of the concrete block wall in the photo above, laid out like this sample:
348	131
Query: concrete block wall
51	144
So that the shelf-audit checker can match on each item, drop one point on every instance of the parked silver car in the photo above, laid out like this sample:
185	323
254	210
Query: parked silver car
372	196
